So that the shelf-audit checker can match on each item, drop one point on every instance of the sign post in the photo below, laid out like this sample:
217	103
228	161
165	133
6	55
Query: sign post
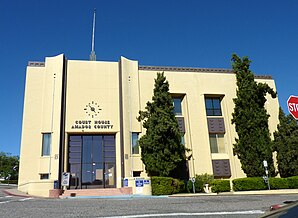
266	178
293	106
193	180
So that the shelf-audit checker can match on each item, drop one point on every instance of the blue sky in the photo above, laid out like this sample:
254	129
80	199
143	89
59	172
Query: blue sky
186	33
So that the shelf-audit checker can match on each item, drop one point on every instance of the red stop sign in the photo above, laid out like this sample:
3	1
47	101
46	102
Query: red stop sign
293	106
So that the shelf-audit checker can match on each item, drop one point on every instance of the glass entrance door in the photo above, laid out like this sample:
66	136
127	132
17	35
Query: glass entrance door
92	161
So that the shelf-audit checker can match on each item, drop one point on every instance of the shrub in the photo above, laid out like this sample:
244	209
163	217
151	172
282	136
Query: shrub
205	178
182	186
247	184
293	182
199	186
201	180
166	185
220	186
278	183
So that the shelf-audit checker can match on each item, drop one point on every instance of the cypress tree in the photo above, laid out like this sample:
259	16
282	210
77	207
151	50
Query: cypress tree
286	145
250	117
161	150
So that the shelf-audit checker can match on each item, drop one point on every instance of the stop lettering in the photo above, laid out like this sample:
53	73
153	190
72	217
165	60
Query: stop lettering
293	106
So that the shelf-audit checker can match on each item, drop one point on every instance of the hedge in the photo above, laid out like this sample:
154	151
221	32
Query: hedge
169	186
166	185
257	183
220	186
248	184
278	183
293	182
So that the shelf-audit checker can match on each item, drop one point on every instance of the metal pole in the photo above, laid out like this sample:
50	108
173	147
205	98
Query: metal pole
267	178
265	164
193	180
92	55
93	30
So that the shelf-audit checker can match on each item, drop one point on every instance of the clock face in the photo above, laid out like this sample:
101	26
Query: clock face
92	109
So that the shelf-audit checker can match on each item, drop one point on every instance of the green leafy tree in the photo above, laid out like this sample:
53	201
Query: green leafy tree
9	166
161	148
286	145
250	117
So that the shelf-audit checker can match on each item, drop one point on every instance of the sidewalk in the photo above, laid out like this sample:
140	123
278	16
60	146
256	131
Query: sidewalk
15	192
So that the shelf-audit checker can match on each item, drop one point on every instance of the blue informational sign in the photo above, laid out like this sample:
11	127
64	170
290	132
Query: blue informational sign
139	183
65	179
125	182
146	181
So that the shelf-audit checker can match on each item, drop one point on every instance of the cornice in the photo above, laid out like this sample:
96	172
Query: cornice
185	69
36	64
263	77
199	70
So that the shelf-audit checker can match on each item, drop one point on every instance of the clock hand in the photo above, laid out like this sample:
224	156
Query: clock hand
91	108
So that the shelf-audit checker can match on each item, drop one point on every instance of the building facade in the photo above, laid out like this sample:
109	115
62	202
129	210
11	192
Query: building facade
80	117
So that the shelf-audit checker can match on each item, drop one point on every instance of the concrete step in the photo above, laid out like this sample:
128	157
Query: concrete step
98	192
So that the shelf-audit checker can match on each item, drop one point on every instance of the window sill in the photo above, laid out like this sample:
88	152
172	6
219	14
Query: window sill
219	156
136	155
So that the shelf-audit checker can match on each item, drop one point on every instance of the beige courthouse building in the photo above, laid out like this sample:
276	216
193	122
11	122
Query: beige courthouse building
80	117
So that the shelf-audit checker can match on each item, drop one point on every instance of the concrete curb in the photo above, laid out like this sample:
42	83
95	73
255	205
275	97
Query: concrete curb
193	194
261	192
267	192
114	197
9	185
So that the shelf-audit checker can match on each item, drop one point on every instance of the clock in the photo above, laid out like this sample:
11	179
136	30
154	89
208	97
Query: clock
92	109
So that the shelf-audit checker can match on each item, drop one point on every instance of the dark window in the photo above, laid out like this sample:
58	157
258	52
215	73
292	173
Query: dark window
46	144
97	149
87	174
136	173
217	143
177	105
87	149
109	175
44	176
134	143
213	106
182	140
